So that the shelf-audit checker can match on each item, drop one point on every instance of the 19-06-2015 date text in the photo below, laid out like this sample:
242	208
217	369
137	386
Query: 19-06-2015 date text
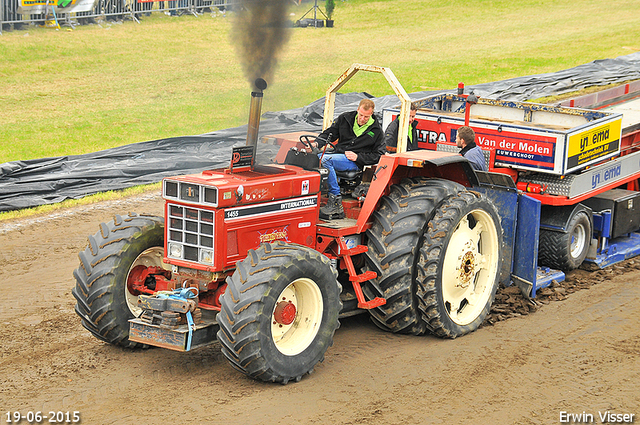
50	417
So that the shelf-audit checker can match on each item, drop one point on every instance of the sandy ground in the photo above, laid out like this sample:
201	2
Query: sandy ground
576	352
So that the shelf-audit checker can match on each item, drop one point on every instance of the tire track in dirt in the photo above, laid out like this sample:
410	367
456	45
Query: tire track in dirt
577	354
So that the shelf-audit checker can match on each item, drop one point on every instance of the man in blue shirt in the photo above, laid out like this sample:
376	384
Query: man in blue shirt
465	139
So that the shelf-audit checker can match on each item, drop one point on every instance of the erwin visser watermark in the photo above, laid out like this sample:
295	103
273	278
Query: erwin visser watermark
600	417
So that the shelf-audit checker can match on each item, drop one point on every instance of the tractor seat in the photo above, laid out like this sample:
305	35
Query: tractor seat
348	181
349	175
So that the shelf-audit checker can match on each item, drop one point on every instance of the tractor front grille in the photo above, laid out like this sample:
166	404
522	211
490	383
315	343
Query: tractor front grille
190	234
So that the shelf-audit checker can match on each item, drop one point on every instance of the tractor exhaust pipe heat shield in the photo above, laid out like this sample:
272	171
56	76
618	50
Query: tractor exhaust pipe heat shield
254	112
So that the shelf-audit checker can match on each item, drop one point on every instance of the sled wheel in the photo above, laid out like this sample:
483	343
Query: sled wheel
566	251
394	242
123	247
279	312
460	265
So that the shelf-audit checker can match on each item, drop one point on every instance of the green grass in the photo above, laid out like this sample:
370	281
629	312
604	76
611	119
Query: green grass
96	87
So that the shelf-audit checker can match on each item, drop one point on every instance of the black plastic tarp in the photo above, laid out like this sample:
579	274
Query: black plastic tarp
36	182
596	73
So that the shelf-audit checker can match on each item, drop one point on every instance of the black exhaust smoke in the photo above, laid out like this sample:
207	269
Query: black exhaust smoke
260	31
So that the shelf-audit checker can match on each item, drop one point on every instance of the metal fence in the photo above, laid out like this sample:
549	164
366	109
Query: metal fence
16	14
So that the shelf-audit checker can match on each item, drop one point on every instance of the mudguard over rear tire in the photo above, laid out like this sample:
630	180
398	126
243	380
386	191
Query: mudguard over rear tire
104	302
279	312
459	266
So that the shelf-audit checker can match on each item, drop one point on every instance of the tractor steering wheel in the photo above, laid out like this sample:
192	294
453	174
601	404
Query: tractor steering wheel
304	139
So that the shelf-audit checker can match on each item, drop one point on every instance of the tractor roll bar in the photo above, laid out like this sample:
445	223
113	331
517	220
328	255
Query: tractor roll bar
330	99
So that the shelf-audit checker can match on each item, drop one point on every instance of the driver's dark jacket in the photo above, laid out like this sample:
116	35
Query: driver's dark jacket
391	136
369	146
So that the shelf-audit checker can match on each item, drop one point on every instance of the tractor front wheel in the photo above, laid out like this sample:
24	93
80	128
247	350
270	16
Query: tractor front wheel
460	264
105	301
279	312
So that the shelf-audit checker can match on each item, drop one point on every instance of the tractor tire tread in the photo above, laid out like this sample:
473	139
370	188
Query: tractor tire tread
431	254
393	241
95	280
244	301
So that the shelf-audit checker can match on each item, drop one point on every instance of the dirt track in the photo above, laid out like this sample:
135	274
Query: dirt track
581	354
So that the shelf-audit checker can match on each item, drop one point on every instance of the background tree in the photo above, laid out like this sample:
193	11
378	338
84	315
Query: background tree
329	6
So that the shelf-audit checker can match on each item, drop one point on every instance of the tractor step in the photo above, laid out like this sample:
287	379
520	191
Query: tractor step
355	278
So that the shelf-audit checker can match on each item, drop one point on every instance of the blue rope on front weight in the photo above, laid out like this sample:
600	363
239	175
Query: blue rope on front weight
183	294
191	327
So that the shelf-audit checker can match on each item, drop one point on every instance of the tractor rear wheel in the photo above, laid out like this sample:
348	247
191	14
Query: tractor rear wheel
394	241
566	251
279	312
104	301
460	264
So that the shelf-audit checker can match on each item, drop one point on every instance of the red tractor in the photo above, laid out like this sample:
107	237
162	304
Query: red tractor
242	257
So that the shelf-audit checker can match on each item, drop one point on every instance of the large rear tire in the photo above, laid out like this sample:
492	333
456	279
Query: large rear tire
459	267
566	251
394	241
279	312
104	302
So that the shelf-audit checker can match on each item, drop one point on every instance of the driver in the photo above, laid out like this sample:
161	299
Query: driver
360	142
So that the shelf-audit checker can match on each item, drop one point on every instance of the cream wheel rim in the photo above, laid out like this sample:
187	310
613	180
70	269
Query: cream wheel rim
470	267
296	317
151	257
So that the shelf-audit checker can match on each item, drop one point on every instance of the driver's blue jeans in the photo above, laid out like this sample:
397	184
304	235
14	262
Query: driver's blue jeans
336	162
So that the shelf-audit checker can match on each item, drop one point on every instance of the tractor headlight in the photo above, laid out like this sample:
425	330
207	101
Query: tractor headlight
206	256
175	250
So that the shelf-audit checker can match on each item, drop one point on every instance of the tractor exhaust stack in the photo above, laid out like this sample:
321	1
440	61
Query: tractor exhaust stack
254	112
